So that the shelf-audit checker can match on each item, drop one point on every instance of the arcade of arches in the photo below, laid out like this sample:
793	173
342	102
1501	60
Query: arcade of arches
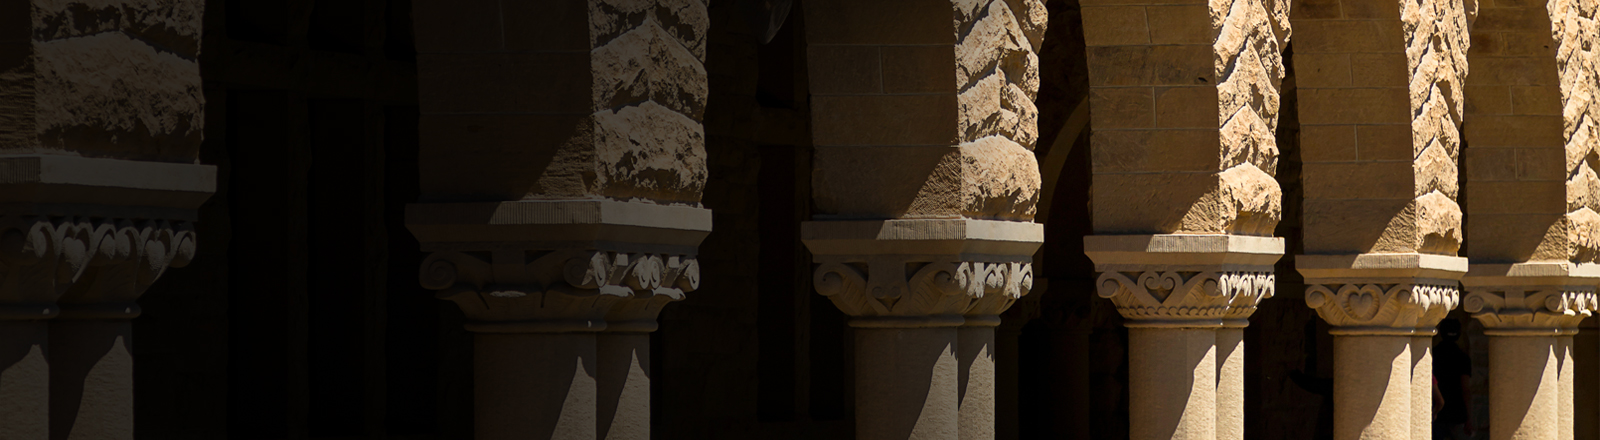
807	219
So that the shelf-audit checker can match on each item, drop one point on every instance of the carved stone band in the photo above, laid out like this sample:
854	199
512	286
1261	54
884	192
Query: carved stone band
560	291
911	273
1531	299
1186	298
1383	307
552	266
1185	280
883	294
85	268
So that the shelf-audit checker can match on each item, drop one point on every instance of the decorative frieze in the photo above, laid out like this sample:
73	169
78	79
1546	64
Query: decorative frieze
95	267
1185	298
1531	309
524	291
1382	307
884	292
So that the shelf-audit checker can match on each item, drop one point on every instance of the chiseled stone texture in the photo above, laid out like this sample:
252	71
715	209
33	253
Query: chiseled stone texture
1156	72
1573	25
102	78
920	114
611	110
1532	167
1436	51
1381	95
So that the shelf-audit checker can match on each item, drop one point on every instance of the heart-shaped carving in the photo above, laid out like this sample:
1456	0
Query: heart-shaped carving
1362	304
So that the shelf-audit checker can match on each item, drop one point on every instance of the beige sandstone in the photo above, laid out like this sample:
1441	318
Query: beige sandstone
105	79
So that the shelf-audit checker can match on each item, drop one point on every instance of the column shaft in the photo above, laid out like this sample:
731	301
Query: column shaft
1173	375
975	348
1230	383
1368	404
91	380
1564	377
24	380
534	386
1524	395
623	382
1421	387
906	384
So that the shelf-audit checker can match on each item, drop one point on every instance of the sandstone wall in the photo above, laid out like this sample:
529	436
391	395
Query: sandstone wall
1531	172
101	78
576	99
1381	95
1184	102
924	108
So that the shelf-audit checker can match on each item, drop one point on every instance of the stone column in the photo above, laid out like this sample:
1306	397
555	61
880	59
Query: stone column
1384	308
562	165
1177	292
549	341
1185	100
925	189
99	139
1529	311
923	370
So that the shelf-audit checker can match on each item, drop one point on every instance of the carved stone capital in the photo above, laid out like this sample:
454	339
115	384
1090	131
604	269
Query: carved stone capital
1382	307
1531	310
1184	280
560	266
1531	299
894	292
1173	298
1382	294
84	238
923	272
528	291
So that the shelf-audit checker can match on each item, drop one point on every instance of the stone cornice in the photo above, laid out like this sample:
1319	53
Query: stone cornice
1392	294
1185	280
559	224
923	272
60	185
1531	299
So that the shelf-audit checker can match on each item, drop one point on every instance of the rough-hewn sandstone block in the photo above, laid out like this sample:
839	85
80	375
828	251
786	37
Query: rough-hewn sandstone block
105	78
992	178
1211	69
617	116
997	72
649	152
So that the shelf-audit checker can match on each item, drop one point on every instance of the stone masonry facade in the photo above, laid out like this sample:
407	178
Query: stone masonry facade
807	219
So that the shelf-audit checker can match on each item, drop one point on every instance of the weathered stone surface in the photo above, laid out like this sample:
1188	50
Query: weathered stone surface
992	178
104	78
647	64
649	152
1245	201
1249	66
997	69
1224	57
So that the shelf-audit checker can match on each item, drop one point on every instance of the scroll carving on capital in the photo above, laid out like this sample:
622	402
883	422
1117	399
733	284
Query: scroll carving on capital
94	267
1382	308
880	293
520	291
1533	308
1203	298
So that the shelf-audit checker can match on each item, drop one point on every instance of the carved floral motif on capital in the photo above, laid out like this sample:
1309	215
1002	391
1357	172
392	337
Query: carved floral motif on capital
1531	308
1187	296
1382	307
882	289
94	267
560	290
